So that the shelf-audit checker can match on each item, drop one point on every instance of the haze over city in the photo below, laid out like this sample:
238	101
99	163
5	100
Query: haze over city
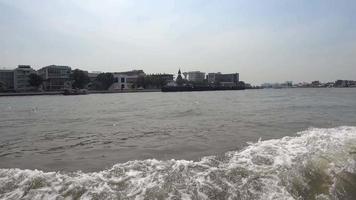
264	41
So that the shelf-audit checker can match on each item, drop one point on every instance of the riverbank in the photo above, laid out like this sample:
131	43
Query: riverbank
61	92
123	91
30	93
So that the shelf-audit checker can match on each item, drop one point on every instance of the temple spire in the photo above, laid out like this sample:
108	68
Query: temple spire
179	78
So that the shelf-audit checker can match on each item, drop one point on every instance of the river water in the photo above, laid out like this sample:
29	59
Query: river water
252	144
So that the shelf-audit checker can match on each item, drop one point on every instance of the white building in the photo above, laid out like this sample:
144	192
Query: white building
126	80
195	76
223	79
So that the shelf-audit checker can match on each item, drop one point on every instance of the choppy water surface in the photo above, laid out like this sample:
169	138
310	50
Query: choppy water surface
180	145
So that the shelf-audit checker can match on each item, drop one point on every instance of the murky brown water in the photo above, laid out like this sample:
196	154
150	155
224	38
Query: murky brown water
93	132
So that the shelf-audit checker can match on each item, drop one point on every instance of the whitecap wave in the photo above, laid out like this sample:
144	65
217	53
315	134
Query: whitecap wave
315	164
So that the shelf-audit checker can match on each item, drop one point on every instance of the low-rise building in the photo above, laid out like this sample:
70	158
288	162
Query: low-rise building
195	76
55	77
223	79
287	84
345	83
126	80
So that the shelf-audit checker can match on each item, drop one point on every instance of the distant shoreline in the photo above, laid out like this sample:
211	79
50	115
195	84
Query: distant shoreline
61	92
10	94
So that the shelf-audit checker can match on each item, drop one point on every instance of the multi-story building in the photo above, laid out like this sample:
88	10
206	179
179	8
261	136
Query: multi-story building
126	80
55	77
223	79
17	79
21	77
212	77
6	79
195	76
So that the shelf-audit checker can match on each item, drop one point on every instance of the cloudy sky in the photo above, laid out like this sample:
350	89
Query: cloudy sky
263	40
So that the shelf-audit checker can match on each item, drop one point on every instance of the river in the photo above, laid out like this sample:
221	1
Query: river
252	144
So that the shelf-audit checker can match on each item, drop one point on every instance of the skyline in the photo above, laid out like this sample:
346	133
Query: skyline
263	41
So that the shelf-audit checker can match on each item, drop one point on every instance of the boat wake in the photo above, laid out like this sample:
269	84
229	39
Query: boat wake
315	164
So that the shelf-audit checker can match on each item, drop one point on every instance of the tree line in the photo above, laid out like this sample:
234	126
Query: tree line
80	79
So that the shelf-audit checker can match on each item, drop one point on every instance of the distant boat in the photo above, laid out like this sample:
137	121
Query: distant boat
75	92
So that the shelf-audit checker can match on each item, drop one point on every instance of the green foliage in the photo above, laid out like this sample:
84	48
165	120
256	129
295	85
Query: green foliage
104	81
35	80
80	78
152	81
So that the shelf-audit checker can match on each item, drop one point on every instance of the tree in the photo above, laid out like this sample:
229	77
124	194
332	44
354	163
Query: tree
35	80
80	78
140	82
104	81
241	84
152	81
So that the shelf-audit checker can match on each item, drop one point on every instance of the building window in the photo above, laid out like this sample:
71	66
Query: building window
122	80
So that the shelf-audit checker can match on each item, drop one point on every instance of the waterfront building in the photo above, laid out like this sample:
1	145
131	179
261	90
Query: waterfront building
6	79
16	79
223	79
55	77
316	84
195	76
345	83
21	78
329	84
211	77
126	80
287	84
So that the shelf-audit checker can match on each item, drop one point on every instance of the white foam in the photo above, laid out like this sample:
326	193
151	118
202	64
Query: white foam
263	170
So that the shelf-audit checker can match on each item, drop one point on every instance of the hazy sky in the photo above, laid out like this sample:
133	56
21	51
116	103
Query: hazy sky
263	40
